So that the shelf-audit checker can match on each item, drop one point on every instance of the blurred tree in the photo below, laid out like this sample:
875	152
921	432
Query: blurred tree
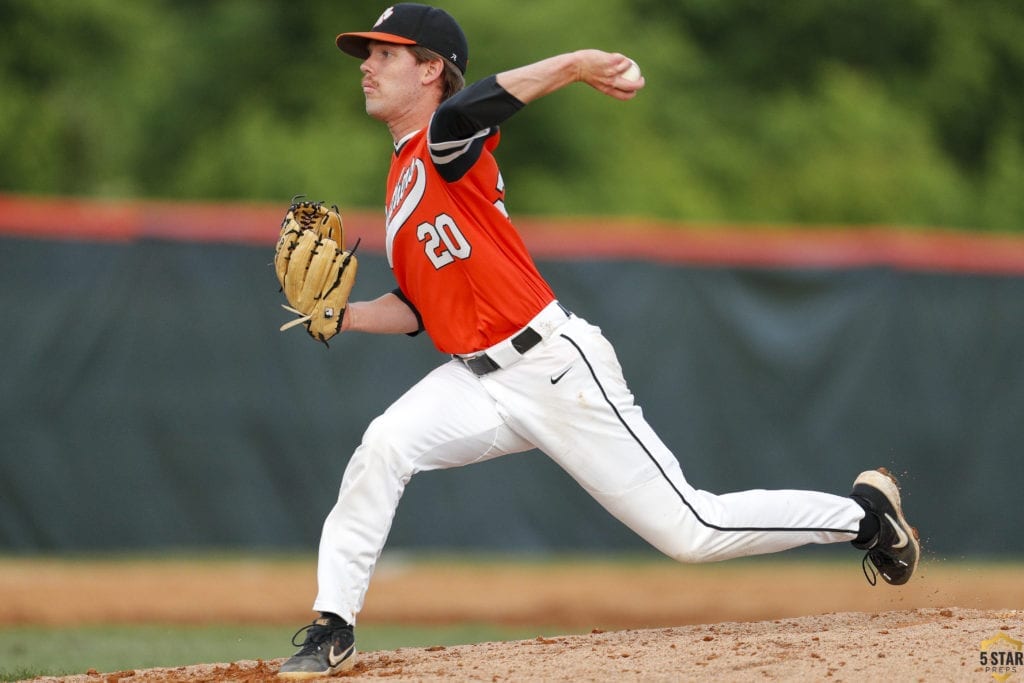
816	111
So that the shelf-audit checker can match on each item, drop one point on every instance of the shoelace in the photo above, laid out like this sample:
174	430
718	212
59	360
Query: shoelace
868	565
877	557
316	635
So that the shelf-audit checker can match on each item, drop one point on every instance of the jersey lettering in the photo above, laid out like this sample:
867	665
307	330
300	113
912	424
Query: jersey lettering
407	194
499	204
444	241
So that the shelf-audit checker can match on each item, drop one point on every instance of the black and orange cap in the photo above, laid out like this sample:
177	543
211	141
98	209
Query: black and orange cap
409	23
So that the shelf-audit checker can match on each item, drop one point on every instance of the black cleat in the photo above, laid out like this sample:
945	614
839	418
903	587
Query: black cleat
329	649
894	551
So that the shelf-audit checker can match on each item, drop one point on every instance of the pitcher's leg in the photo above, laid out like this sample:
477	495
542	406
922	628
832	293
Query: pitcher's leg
602	439
691	525
445	420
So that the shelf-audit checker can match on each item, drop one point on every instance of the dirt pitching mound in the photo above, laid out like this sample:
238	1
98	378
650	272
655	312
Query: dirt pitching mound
635	621
912	645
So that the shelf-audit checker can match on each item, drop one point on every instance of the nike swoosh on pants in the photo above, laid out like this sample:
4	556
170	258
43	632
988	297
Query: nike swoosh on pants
558	378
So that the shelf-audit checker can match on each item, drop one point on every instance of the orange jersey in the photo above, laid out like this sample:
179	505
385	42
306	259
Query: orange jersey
455	253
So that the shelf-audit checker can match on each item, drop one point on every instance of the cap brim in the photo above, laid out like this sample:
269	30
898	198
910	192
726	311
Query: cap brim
357	44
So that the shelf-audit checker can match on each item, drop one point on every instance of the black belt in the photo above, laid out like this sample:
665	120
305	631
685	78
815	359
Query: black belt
522	342
482	364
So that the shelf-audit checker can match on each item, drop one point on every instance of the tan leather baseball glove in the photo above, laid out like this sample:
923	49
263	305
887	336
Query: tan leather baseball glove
315	271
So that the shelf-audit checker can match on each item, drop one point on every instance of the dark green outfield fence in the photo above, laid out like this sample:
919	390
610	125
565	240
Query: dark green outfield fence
149	402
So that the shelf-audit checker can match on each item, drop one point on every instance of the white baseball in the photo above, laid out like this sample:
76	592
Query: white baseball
632	73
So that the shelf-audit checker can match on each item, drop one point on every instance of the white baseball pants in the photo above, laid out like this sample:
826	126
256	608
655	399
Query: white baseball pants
587	422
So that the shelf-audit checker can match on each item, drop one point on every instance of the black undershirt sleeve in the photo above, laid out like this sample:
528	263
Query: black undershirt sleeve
463	122
482	105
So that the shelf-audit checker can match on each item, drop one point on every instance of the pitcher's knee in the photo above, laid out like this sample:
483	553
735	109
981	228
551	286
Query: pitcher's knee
696	548
689	555
384	445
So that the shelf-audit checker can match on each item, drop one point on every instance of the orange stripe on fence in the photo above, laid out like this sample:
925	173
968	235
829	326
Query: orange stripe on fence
566	239
804	247
123	221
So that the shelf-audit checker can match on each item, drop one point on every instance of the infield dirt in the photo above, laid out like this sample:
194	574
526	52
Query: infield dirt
649	621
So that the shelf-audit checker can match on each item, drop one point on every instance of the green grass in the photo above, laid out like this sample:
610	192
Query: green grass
27	652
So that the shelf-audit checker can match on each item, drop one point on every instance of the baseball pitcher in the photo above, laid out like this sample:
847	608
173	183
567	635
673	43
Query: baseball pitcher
523	371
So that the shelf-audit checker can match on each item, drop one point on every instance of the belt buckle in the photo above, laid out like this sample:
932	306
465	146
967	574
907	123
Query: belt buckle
526	340
481	364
